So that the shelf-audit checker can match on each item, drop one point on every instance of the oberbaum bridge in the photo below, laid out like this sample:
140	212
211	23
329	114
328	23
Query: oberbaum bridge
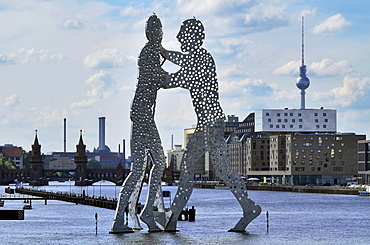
37	175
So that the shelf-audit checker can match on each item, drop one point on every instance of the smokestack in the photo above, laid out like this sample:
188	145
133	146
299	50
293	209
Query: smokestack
171	141
65	134
124	151
101	133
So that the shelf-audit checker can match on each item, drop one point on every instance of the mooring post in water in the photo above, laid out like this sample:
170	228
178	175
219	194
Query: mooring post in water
267	223
96	223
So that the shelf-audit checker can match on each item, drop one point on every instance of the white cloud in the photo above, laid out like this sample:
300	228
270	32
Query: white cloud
267	15
99	83
244	87
130	11
24	55
328	67
355	89
72	23
12	101
5	60
290	68
105	58
331	25
307	13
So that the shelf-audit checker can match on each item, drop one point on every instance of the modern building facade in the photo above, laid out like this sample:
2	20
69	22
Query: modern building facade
13	153
296	120
363	152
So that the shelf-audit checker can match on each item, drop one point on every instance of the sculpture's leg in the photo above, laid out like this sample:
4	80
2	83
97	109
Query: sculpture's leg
221	164
132	183
135	199
119	225
147	215
195	150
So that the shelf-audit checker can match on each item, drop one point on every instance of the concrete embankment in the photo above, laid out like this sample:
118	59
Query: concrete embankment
303	189
78	199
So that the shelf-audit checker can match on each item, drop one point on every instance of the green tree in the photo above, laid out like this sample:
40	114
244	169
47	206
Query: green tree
7	164
94	164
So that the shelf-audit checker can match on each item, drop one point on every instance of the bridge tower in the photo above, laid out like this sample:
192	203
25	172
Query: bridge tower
81	163
37	165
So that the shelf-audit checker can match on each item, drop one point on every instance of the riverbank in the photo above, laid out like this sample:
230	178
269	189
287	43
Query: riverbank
306	189
301	189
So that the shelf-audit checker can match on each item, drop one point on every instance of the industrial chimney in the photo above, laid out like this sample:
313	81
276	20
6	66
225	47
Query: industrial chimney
102	147
65	134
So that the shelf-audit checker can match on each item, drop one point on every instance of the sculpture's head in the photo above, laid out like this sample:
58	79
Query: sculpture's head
191	35
153	29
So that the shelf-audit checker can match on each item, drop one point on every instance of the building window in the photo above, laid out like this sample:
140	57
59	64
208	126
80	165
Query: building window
267	114
304	138
291	114
277	126
269	120
326	120
333	163
320	162
291	126
299	169
337	169
278	114
317	126
318	168
293	120
312	168
300	126
342	163
341	144
279	120
294	138
299	114
300	120
316	114
285	120
271	126
324	114
316	120
324	126
285	114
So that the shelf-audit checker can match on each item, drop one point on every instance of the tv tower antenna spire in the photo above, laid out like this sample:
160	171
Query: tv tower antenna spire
302	41
302	81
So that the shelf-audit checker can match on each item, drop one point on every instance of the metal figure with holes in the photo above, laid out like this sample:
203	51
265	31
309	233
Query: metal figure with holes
198	75
145	140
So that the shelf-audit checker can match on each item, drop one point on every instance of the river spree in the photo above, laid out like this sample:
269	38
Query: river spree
294	218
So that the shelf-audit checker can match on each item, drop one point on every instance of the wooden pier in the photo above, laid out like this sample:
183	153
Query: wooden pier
73	198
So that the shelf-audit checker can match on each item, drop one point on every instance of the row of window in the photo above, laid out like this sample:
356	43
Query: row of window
292	114
299	120
292	126
320	163
318	169
336	138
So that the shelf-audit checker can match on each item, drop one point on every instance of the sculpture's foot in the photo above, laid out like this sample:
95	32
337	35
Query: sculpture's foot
249	217
162	218
122	229
148	219
155	230
172	223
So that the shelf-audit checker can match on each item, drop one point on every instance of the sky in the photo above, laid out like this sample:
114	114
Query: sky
77	59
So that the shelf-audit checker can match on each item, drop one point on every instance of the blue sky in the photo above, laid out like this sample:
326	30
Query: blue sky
78	59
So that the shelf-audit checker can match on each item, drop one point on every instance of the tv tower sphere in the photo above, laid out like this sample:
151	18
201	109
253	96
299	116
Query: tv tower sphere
302	81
